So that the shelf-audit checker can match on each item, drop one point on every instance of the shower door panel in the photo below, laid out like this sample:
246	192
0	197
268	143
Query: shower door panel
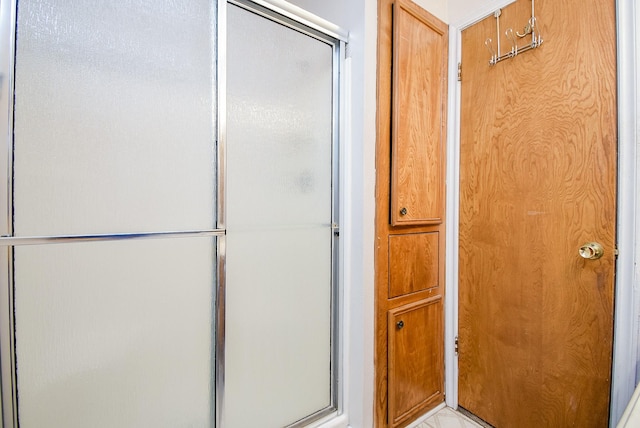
113	144
114	117
115	334
278	351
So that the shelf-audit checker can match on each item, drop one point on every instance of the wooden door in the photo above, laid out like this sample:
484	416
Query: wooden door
538	180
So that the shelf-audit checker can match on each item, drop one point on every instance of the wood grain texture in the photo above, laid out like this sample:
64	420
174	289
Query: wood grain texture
413	263
418	116
416	359
538	179
384	228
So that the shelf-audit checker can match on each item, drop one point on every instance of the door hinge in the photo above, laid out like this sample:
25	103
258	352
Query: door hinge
616	252
455	347
459	72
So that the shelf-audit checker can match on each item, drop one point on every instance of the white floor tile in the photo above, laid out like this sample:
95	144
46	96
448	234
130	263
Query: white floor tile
448	418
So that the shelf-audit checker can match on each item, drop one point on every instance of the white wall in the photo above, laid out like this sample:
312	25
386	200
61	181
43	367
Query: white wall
637	231
458	8
462	11
439	8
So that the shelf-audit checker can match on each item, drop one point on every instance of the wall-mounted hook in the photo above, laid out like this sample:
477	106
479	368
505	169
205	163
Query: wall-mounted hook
497	15
513	40
536	37
489	44
528	29
531	28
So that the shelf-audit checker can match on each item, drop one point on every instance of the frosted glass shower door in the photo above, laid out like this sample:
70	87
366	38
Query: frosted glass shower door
115	334
114	117
113	241
278	350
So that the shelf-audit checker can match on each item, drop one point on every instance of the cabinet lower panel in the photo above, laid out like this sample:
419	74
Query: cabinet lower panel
416	359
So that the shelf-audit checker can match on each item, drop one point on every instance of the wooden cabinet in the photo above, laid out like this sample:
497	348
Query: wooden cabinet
419	92
416	359
410	212
414	263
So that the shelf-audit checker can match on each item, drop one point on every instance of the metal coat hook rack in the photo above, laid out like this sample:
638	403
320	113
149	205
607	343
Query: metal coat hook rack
532	28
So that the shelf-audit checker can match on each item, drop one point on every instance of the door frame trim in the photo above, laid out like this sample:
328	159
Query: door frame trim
627	299
453	197
8	395
625	336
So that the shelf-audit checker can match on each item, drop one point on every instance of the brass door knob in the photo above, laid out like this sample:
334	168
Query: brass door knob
591	251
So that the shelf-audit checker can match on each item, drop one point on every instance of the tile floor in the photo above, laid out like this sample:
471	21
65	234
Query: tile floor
448	418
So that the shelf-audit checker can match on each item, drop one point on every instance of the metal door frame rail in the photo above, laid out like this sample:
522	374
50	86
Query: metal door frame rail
8	392
61	239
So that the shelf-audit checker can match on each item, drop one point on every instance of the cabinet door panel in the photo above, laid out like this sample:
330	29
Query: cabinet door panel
413	263
416	361
418	116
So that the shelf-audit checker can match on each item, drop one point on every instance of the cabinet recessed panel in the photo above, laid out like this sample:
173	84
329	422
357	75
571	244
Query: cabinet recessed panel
416	361
418	116
413	263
